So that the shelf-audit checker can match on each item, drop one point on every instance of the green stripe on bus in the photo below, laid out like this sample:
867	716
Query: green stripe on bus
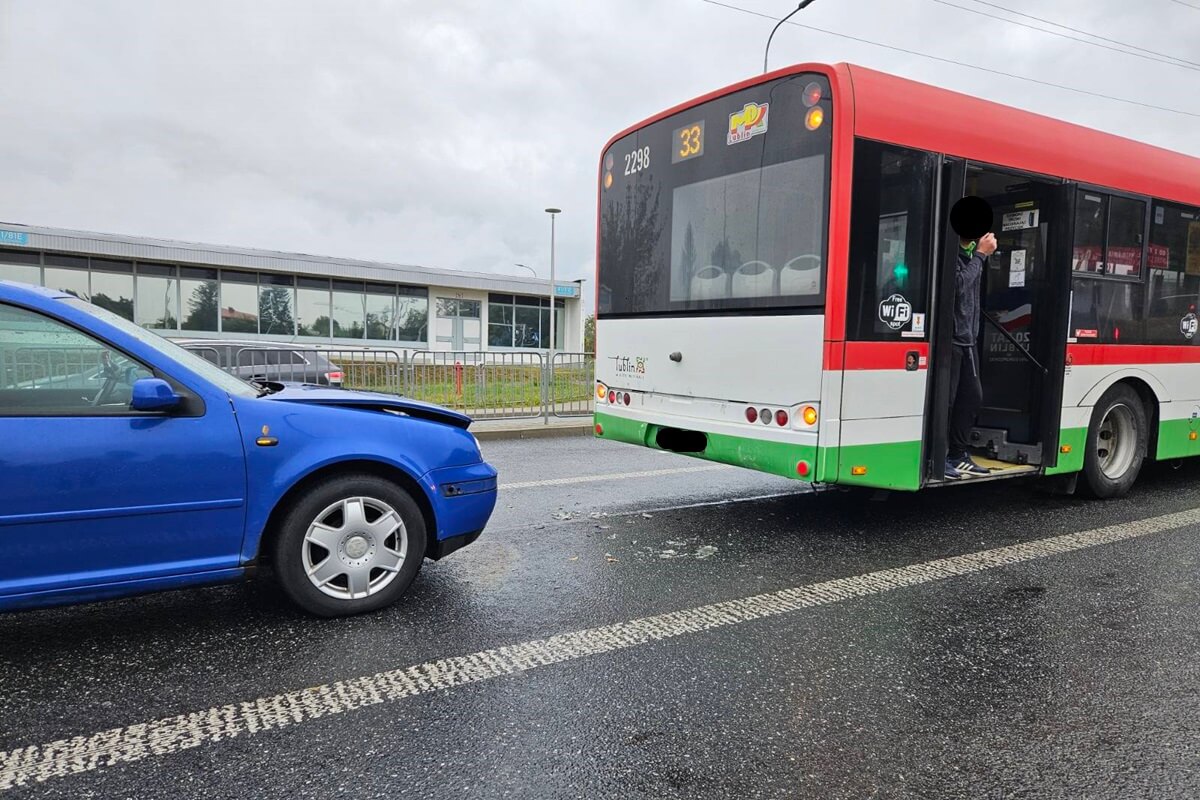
895	465
1174	439
1076	438
776	458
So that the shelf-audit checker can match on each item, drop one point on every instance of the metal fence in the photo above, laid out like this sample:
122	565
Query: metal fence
482	384
51	367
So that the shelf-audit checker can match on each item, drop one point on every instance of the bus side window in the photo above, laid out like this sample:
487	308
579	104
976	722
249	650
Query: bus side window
1107	288
889	243
1174	263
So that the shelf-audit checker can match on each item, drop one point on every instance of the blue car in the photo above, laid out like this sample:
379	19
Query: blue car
129	465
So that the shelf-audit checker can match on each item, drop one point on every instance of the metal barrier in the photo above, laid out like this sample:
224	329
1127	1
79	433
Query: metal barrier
481	384
53	367
573	384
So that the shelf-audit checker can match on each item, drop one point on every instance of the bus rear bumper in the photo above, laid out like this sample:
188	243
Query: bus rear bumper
790	454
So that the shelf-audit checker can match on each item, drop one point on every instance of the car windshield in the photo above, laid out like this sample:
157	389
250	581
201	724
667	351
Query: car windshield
195	363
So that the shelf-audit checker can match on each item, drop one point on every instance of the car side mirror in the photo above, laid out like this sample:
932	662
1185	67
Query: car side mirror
153	394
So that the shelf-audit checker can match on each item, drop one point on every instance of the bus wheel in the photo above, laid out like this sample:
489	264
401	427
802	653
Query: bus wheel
1116	442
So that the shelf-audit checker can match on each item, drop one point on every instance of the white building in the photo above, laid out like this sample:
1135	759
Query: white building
186	290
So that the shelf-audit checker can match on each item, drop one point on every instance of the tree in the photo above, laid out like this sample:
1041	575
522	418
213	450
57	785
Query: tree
275	310
589	334
630	232
688	257
203	306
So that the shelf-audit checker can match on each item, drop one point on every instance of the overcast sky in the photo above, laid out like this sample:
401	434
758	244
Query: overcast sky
436	132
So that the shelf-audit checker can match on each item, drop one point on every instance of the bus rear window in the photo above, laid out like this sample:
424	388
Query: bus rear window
720	208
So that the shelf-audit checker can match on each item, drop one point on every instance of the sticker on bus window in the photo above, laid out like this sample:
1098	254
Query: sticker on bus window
747	123
1020	220
895	311
1086	333
1188	326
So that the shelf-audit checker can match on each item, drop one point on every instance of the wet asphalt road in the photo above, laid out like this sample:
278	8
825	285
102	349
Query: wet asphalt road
1070	675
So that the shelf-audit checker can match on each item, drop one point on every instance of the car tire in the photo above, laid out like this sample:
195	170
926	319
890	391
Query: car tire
1116	443
351	544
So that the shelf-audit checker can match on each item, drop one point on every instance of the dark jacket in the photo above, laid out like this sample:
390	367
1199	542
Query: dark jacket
967	279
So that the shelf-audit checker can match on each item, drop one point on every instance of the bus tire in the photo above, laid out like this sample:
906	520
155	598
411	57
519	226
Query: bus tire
1116	443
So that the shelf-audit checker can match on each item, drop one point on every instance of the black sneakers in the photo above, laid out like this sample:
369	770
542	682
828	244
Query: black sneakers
966	467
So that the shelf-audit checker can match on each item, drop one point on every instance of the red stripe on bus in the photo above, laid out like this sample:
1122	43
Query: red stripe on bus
1084	355
883	355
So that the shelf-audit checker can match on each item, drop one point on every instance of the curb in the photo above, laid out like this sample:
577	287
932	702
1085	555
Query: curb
534	432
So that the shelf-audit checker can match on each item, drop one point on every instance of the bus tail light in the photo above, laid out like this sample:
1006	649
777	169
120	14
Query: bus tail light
625	398
765	416
802	469
812	94
781	418
599	429
612	397
751	414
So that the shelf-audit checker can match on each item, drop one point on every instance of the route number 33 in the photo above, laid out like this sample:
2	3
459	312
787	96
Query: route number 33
638	160
690	141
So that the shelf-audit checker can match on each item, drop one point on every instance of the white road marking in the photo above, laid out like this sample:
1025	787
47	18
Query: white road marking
612	476
36	763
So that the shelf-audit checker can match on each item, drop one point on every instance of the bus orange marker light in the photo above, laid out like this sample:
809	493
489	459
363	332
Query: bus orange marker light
802	469
1192	436
814	118
1066	448
858	470
601	391
809	415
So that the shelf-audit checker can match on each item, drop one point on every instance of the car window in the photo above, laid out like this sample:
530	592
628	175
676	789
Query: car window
215	375
47	367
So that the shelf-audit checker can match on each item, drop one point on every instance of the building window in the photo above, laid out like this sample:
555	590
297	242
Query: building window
157	296
412	315
239	302
380	300
349	309
500	321
522	321
312	307
21	267
68	274
112	286
199	293
276	305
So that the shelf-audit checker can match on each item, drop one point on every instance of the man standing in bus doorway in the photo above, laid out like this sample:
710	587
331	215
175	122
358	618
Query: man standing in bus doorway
971	218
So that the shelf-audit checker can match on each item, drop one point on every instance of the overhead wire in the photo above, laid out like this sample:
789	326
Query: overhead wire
963	64
1008	10
1169	60
1189	5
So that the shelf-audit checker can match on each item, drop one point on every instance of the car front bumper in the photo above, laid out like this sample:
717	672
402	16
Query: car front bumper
463	499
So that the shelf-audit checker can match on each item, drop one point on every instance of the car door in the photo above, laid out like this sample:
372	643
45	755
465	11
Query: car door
94	493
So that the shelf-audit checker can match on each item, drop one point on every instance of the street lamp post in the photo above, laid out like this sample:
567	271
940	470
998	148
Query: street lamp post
553	212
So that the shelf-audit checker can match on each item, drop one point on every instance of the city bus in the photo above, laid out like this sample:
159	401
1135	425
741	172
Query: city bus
775	280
